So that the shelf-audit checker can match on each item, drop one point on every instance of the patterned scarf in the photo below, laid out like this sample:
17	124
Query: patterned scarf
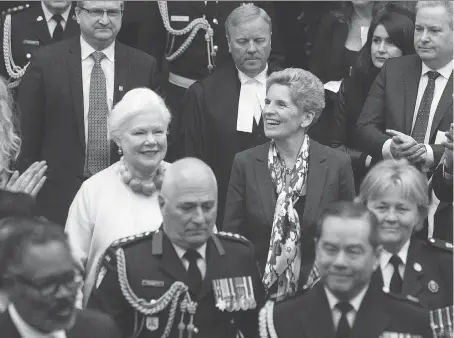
284	255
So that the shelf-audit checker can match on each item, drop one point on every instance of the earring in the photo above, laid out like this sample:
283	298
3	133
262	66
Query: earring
119	151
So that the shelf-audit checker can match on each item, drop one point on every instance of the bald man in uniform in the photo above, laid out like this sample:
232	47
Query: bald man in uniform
212	278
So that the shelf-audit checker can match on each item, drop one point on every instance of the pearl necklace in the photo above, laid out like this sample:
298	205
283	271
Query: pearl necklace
145	187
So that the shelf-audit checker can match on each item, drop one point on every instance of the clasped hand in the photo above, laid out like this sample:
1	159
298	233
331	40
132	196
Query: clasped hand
404	146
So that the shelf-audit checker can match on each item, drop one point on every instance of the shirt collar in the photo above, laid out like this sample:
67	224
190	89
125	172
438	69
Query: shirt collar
355	302
386	255
444	71
48	15
26	331
261	77
201	250
86	50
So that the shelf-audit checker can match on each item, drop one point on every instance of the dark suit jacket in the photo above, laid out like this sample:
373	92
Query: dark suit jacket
52	116
436	264
251	197
208	126
28	34
153	258
309	316
443	189
89	324
391	104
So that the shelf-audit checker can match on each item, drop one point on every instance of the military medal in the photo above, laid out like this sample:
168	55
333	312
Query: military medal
152	323
433	286
234	294
441	321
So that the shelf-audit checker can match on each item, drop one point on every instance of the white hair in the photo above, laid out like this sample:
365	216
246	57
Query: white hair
135	102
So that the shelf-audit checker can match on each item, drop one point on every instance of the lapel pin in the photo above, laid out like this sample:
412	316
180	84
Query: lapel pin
74	17
120	88
433	286
39	18
417	267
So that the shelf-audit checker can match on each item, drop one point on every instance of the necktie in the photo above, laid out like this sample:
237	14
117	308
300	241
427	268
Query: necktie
422	119
97	143
194	276
343	327
58	31
396	281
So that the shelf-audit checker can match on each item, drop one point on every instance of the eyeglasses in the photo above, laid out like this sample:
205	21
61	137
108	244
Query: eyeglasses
98	13
69	281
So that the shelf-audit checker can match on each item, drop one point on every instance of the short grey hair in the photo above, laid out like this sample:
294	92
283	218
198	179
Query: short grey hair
398	175
448	5
306	90
81	4
245	13
135	102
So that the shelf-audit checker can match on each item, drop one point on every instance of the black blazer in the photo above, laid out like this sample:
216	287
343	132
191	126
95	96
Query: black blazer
251	197
226	257
328	49
436	264
28	34
391	104
52	115
89	324
208	126
309	316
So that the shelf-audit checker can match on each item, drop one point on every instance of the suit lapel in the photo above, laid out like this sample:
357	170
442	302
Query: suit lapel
171	264
265	185
371	319
412	284
318	320
213	259
412	77
75	78
121	71
8	329
72	27
38	21
443	106
315	183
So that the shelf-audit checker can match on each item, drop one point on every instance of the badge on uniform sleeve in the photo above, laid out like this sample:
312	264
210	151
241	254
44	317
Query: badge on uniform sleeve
152	323
433	286
234	294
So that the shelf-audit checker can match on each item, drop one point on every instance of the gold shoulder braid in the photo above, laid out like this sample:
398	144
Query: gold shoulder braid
193	27
155	306
266	323
15	72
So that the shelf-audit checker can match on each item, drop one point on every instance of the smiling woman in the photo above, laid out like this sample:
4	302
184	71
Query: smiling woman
122	200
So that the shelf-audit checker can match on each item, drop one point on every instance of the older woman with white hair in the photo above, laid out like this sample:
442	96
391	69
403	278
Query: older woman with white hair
278	190
122	200
397	193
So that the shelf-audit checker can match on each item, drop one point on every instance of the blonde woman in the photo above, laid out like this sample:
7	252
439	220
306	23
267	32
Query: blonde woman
30	181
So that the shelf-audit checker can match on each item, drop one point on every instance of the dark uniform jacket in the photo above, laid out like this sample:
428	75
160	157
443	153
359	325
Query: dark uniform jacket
152	266
208	127
309	316
428	273
89	324
51	107
29	31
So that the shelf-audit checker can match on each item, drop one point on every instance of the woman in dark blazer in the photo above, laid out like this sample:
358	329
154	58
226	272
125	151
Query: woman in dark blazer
390	35
278	190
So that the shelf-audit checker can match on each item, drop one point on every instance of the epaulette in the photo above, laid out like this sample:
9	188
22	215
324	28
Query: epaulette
440	244
409	299
122	242
13	10
233	237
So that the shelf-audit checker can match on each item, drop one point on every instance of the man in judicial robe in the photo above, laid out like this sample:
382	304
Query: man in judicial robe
222	113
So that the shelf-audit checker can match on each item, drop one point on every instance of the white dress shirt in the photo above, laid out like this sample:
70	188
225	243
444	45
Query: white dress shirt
252	100
440	84
355	303
51	23
108	67
201	262
387	268
26	331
